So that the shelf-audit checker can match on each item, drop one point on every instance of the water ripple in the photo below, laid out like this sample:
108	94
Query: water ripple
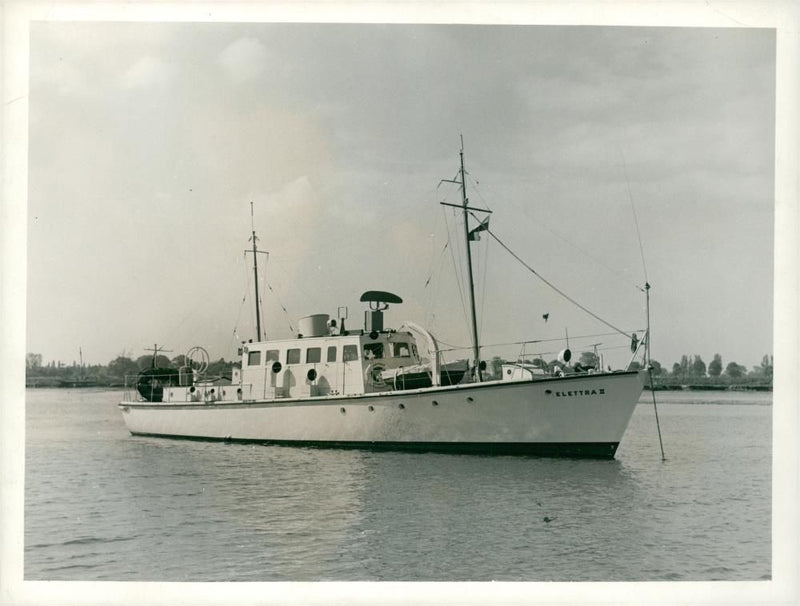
121	508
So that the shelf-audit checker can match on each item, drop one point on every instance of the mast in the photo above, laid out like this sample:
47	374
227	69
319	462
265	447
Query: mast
464	200
468	237
255	273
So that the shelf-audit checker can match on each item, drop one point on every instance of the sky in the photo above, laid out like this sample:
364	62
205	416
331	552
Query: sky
610	156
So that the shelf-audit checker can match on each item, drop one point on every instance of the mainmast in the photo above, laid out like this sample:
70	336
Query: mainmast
468	237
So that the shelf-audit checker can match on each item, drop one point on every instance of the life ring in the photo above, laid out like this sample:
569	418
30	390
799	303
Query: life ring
197	359
372	374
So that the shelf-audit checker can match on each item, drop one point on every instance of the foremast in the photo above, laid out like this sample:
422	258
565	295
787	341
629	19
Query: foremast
255	252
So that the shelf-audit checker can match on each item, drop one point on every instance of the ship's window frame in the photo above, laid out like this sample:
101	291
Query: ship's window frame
254	357
293	356
272	355
331	354
350	353
376	349
313	355
396	347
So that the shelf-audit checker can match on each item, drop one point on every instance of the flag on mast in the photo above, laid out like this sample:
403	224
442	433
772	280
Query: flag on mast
474	235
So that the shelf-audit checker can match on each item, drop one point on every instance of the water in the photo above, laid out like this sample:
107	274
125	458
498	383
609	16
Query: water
103	505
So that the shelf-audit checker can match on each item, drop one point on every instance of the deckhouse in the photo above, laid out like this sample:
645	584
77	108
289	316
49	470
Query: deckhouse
328	360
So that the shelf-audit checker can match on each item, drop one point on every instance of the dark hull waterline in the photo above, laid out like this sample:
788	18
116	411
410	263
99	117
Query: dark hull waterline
584	450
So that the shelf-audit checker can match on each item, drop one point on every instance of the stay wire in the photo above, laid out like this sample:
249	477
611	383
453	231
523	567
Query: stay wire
635	217
553	286
593	258
646	290
458	272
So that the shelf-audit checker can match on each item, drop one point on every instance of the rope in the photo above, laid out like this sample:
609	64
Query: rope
285	311
590	256
457	272
551	285
635	217
655	408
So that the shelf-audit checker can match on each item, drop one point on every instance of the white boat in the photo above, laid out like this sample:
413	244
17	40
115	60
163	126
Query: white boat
377	387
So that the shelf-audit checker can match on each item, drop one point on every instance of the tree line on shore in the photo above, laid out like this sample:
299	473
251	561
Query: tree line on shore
693	370
113	374
690	369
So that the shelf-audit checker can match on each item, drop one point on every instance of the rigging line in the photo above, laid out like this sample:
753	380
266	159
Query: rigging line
483	290
246	290
556	339
474	186
435	262
635	217
285	311
436	269
551	285
589	255
279	267
457	274
646	290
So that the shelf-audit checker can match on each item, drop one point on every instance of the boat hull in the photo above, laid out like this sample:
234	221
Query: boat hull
575	416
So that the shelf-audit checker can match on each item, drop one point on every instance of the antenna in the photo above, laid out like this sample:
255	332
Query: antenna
155	349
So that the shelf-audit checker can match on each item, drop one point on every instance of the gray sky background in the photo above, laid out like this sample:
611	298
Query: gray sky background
148	141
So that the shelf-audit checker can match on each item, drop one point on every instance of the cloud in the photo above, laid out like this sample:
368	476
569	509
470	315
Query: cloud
245	59
147	72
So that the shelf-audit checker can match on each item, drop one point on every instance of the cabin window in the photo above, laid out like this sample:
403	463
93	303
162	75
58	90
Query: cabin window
293	356
350	353
332	353
373	351
254	358
313	355
401	350
272	355
414	351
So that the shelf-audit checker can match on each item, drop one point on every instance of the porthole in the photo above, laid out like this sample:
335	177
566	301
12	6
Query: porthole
370	407
470	399
342	410
401	406
435	403
548	391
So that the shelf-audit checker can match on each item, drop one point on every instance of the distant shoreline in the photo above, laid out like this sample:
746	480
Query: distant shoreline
53	382
705	387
